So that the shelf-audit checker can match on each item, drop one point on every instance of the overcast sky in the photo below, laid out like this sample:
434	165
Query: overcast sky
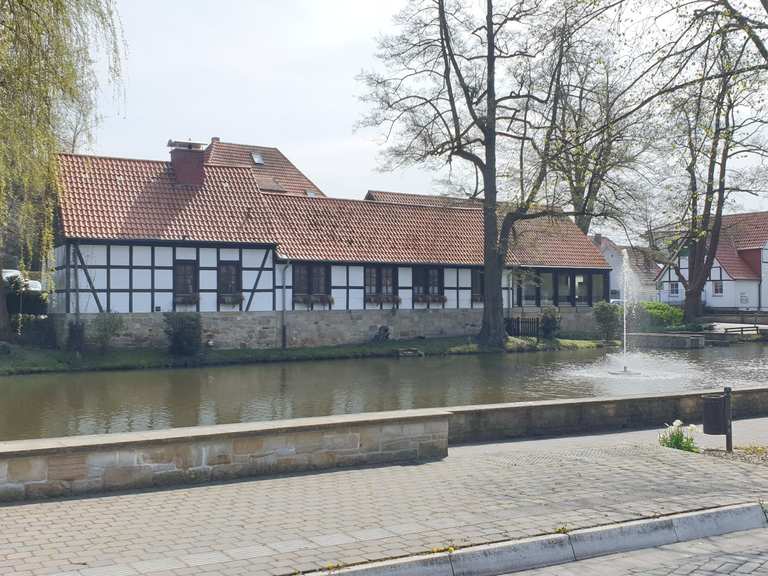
272	73
268	72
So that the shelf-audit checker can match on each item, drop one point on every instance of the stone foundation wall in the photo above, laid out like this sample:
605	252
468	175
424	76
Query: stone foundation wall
591	415
318	328
81	464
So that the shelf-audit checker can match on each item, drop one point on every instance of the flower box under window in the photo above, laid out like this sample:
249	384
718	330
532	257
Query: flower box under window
186	299
382	299
430	298
309	299
230	299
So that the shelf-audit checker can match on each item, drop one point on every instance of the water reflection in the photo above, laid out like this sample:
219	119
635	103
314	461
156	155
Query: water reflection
70	404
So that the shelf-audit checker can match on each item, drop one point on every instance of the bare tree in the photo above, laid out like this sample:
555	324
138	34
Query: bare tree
715	125
598	152
482	87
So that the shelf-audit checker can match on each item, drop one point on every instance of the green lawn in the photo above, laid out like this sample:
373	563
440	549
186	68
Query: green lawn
25	360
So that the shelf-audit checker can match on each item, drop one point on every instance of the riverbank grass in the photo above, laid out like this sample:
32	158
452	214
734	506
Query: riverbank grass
28	360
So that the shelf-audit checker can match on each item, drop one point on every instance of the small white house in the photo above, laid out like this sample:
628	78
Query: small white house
642	265
738	280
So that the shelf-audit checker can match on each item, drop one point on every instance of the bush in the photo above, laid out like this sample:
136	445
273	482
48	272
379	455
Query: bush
679	437
34	330
184	333
608	318
107	325
659	314
76	336
550	322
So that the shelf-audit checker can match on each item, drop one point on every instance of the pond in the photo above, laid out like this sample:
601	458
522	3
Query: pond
51	405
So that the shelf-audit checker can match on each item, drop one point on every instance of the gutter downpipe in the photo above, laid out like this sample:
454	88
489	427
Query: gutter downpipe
283	334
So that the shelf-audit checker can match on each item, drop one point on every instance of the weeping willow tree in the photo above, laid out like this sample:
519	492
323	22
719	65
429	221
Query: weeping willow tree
49	50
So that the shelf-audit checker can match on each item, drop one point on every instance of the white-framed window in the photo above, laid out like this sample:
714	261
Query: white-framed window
717	288
674	288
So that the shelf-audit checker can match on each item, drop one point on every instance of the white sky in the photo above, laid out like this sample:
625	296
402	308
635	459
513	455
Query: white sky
267	72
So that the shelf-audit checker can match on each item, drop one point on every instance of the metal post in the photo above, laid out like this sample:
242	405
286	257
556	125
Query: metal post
728	420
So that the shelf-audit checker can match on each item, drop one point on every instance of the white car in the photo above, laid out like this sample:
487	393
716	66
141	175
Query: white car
29	285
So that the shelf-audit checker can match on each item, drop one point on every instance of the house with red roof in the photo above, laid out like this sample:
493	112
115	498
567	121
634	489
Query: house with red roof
739	276
225	227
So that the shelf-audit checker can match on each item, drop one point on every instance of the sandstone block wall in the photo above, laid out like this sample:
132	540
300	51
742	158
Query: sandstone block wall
591	415
81	464
319	328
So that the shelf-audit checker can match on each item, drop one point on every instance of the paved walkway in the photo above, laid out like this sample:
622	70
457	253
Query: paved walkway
283	525
739	553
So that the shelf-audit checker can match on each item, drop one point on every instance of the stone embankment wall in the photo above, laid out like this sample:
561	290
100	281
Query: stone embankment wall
320	328
82	464
75	465
666	341
590	415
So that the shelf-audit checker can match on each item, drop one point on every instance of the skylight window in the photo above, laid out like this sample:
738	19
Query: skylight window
257	158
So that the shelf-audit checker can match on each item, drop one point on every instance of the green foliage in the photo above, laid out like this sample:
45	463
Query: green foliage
550	322
48	57
679	437
106	325
184	333
608	318
76	336
656	315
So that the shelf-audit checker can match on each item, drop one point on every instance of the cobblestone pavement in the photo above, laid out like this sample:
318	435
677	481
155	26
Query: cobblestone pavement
740	553
283	525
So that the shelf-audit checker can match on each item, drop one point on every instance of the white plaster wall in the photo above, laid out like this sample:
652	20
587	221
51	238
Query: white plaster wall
338	275
142	279
208	279
163	256
262	301
339	298
119	301
93	254
142	255
142	302
119	255
208	257
163	279
356	276
228	254
208	301
119	278
186	253
356	297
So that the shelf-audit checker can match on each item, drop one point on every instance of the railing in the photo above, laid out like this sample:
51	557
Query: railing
742	330
523	327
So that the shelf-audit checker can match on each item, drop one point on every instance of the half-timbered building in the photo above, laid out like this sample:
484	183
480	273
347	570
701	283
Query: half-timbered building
739	276
233	228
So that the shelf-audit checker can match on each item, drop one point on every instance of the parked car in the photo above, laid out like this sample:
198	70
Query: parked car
617	301
29	285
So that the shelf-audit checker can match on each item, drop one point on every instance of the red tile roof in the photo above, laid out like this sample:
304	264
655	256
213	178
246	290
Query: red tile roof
364	231
277	174
120	199
741	232
422	199
115	198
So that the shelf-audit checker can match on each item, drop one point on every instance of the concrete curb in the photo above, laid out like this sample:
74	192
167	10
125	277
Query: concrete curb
549	550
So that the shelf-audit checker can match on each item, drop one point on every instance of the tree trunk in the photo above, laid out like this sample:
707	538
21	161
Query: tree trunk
492	334
693	306
5	319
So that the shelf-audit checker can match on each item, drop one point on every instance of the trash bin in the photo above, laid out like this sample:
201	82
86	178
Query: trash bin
715	421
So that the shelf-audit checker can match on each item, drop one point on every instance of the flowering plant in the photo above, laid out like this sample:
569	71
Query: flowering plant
679	437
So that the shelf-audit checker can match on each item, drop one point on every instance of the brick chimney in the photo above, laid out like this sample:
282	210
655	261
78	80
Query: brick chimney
187	161
597	239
